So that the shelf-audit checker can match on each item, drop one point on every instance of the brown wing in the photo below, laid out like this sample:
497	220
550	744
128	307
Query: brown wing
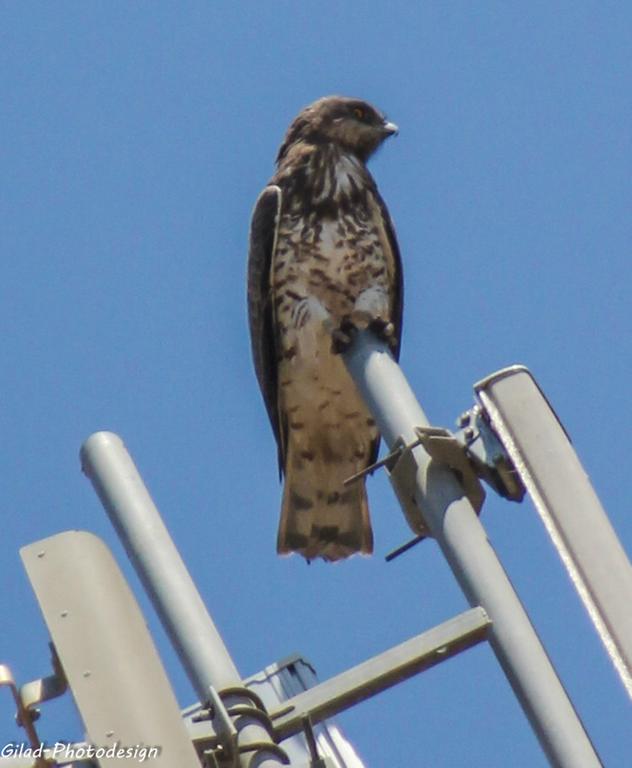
398	281
263	233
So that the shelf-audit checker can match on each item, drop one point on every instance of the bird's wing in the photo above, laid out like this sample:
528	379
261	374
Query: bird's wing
398	282
263	235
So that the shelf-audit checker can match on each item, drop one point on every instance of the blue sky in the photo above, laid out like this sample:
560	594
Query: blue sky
135	139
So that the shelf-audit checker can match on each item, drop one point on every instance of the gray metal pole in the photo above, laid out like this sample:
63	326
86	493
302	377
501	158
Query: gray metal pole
168	583
463	540
572	514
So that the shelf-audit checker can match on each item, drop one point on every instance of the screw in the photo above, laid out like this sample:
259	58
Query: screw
464	419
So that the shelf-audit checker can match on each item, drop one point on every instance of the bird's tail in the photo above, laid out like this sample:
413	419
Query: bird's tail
320	516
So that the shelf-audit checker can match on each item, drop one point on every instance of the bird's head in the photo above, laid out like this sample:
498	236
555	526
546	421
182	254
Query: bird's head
354	125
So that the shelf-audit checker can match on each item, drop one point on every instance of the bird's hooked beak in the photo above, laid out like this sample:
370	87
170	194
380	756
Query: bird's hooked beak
390	129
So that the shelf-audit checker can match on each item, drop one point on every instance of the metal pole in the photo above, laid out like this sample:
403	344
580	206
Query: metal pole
568	505
109	466
463	540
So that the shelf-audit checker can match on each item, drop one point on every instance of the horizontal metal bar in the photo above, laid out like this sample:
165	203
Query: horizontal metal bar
381	672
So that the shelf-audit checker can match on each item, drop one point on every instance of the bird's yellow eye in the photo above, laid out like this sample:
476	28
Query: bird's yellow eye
359	113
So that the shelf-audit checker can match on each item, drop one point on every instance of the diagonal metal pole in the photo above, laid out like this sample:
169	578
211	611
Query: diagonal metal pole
462	538
186	620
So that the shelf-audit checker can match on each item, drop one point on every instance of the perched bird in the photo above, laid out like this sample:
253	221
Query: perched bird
323	261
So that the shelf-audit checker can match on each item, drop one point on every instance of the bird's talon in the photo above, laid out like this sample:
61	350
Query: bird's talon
342	336
384	330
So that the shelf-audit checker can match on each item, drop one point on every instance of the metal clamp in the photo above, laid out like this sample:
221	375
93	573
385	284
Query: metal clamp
24	717
246	707
44	688
444	448
487	454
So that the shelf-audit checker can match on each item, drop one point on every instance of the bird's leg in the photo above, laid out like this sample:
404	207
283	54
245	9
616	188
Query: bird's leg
309	317
384	330
371	310
343	335
309	308
371	305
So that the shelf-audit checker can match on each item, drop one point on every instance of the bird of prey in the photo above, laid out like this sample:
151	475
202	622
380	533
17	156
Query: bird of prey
323	261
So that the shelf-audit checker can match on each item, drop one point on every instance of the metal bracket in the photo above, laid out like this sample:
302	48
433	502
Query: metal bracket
227	713
222	750
23	717
402	475
473	452
219	748
245	712
45	688
443	447
487	454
